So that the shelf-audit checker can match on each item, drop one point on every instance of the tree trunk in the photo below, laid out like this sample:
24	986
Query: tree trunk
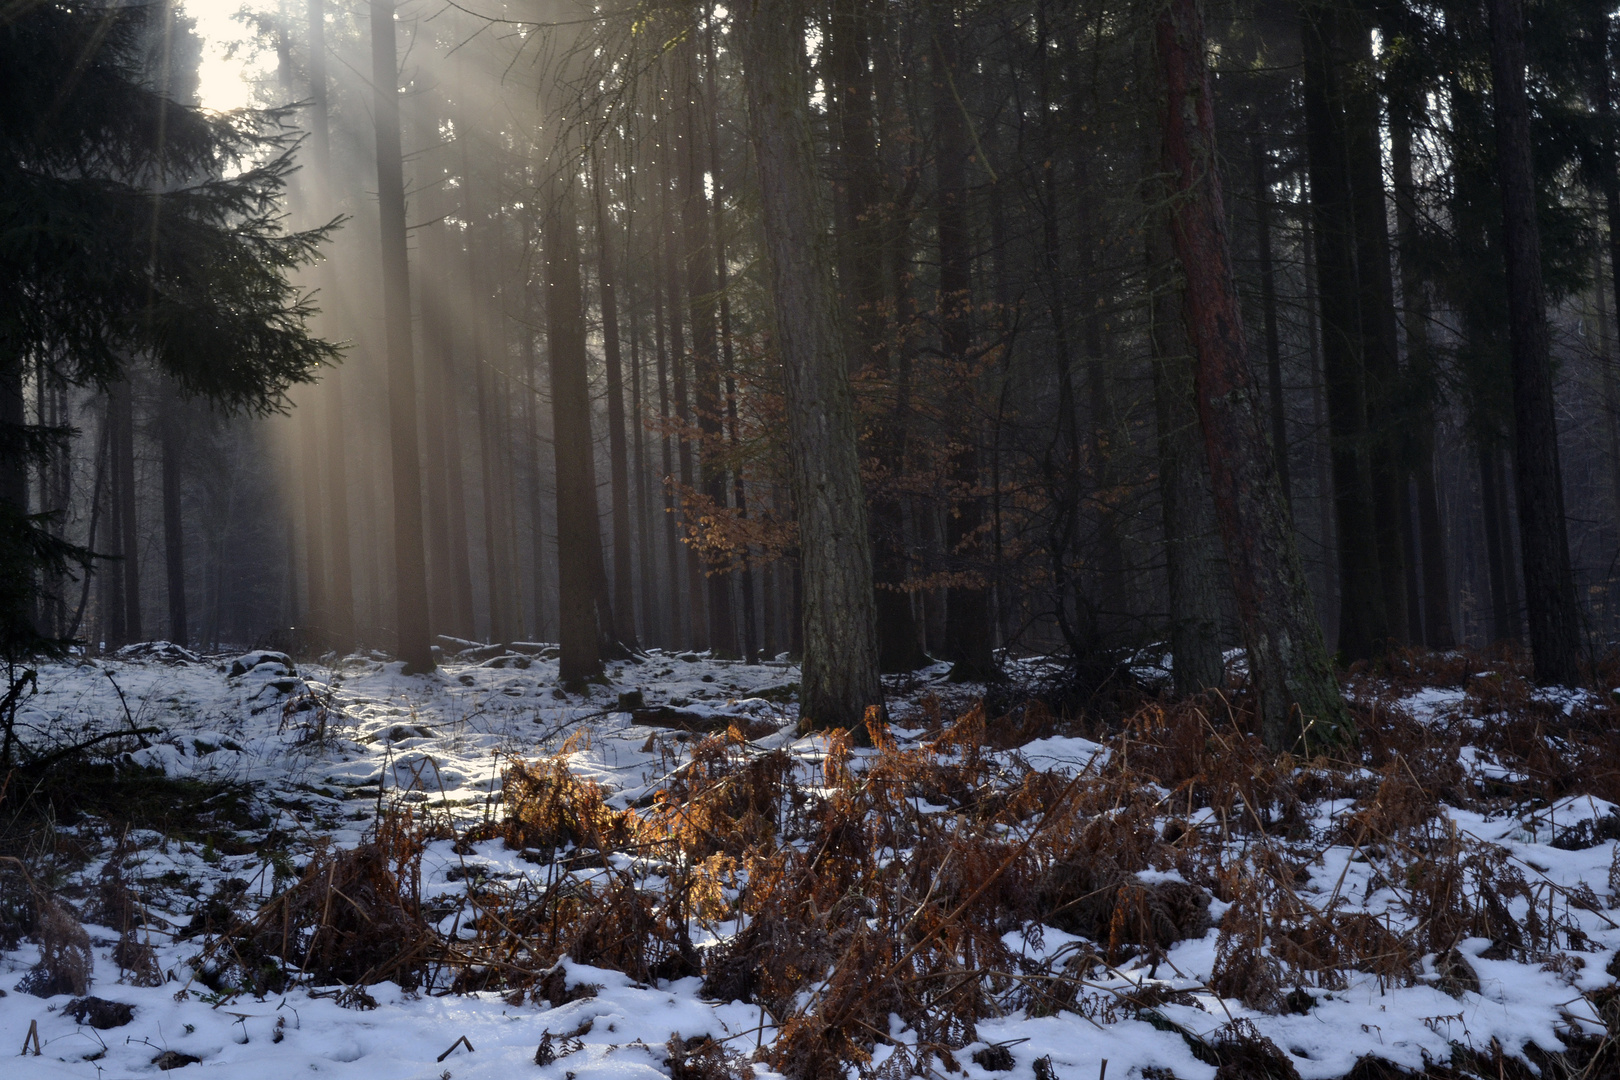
739	493
1497	565
1363	621
697	618
1611	407
1438	632
860	225
675	634
702	305
967	603
410	570
1609	182
624	603
309	475
1326	599
1268	313
839	679
340	596
1378	329
129	542
1194	561
171	445
652	616
579	538
14	469
531	435
1298	697
1549	583
489	364
434	304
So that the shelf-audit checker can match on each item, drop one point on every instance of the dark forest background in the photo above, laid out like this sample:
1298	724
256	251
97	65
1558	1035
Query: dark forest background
1033	471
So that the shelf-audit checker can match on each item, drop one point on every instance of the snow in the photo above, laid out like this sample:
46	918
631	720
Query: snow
326	745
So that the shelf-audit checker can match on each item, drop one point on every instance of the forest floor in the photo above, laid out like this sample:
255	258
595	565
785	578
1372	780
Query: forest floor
342	870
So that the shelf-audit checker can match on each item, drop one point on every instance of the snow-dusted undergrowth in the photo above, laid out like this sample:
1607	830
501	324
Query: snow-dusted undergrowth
1079	935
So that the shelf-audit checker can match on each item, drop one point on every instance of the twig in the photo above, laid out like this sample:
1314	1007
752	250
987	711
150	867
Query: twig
459	1042
33	1034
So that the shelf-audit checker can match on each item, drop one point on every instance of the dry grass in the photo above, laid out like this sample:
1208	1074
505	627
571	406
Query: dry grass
885	884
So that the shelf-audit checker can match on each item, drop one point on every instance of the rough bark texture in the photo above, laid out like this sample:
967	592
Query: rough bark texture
840	671
860	224
1297	694
1549	585
410	567
1363	624
579	539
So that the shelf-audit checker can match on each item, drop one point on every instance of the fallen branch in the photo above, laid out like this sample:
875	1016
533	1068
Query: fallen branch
459	1042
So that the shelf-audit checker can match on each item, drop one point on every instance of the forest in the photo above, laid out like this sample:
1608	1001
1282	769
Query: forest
811	538
1008	302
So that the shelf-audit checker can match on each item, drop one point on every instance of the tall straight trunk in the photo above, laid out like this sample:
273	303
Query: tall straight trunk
1497	565
967	603
1549	582
675	633
748	641
412	635
437	346
340	595
440	297
531	436
1363	619
14	466
1438	632
1268	314
839	680
624	603
1379	334
110	593
695	586
698	257
1327	599
489	366
307	420
1297	694
123	451
1061	464
308	423
860	225
579	539
1609	182
1510	546
1194	561
1611	401
171	440
650	614
1111	604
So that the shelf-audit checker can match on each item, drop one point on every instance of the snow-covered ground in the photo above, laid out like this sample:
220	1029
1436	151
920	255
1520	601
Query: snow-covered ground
327	748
